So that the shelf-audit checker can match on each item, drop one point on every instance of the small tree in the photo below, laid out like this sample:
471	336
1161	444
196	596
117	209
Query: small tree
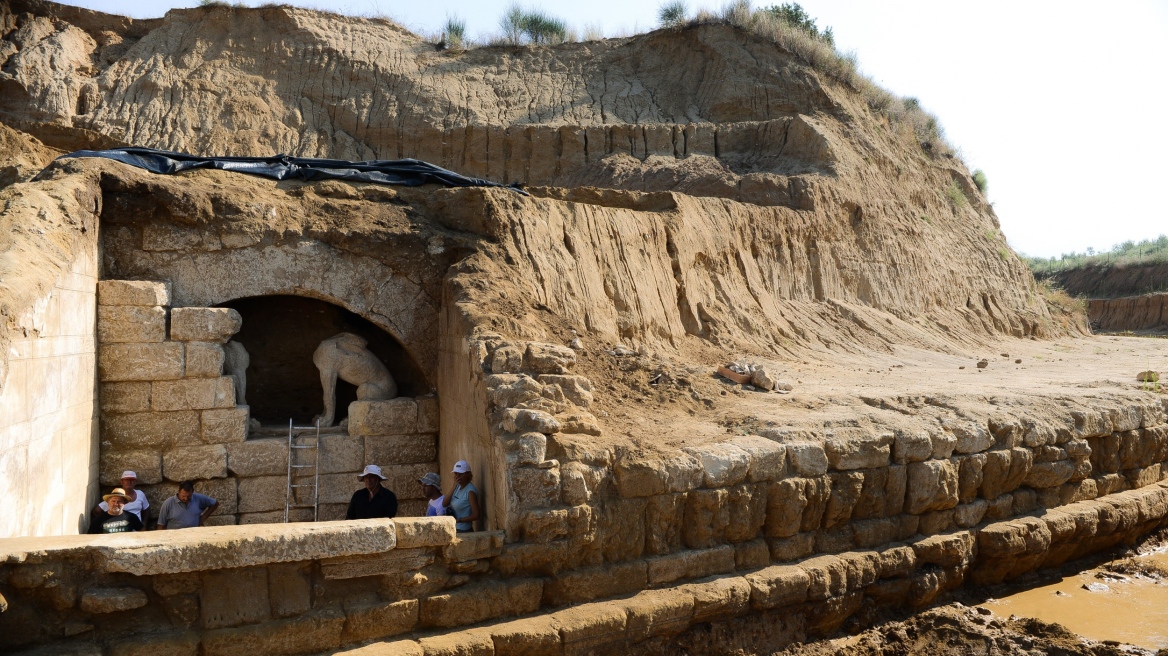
793	14
454	33
979	179
672	14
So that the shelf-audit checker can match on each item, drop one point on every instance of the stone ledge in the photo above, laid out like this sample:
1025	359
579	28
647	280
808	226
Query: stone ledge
209	548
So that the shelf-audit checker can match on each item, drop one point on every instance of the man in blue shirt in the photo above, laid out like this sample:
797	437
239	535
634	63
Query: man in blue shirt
186	509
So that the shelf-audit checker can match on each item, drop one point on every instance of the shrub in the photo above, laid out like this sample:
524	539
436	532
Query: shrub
956	197
672	14
794	15
454	33
532	24
979	179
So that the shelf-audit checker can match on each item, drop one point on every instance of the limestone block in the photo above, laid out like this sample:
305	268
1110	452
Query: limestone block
863	568
195	462
133	292
664	515
403	480
385	450
112	600
152	361
706	518
234	597
535	487
690	564
224	426
969	475
580	422
768	458
653	613
342	454
1007	431
858	452
192	394
874	532
415	532
195	324
1025	535
971	438
515	420
266	457
511	390
818	495
747	505
621	528
872	501
846	487
577	390
150	429
580	585
124	398
1049	474
469	642
146	464
314	632
911	446
786	501
289	588
506	359
473	546
396	561
584	630
932	485
130	323
642	475
548	358
723	464
752	554
970	514
393	417
807	458
947	550
223	490
428	415
264	493
185	643
943	445
524	449
826	577
792	548
373	620
579	448
719	599
897	561
542	526
204	360
533	636
477	602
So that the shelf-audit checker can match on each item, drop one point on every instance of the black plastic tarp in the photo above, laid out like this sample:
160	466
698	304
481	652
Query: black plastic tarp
407	172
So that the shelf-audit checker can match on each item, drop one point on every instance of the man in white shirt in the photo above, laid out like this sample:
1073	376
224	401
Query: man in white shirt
136	501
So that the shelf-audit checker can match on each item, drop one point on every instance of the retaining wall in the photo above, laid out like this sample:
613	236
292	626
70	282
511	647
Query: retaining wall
169	414
48	422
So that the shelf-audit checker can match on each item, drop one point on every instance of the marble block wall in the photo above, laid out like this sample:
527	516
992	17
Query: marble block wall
48	427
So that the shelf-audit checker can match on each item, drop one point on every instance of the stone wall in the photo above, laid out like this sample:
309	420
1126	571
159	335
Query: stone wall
170	414
48	427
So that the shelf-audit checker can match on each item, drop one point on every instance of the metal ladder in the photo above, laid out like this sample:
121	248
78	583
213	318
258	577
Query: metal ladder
289	497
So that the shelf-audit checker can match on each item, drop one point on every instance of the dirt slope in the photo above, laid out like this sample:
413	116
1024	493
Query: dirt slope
1113	281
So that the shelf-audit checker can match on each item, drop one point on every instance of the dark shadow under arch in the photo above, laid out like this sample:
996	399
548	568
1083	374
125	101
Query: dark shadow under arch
280	333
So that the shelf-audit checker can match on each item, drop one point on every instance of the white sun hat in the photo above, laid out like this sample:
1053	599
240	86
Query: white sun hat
371	469
461	467
129	474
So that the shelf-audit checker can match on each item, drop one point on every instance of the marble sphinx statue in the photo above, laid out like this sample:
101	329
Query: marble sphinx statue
344	356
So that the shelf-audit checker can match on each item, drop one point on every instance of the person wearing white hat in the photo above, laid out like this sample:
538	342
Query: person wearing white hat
136	503
116	519
374	500
463	499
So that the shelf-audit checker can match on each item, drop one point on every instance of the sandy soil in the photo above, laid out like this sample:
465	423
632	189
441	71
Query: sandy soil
689	404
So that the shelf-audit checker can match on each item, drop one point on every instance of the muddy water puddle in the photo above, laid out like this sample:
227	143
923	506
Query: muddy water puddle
1100	605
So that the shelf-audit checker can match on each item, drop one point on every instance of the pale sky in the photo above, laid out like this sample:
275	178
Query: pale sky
1061	103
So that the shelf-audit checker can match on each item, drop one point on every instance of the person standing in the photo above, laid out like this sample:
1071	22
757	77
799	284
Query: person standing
116	519
186	509
432	490
372	501
136	501
463	498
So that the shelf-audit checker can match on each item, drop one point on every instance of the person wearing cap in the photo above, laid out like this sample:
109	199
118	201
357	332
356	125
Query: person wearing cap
136	503
116	519
374	500
463	499
186	509
432	490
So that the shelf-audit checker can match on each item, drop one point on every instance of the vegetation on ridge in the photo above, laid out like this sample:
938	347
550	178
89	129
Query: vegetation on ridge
1129	253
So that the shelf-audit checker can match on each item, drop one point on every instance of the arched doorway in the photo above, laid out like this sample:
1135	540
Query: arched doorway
280	333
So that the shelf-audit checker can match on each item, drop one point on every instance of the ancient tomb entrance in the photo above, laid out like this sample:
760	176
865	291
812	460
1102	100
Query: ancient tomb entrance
281	333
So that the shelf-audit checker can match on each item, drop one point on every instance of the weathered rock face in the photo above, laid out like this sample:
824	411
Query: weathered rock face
1147	312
